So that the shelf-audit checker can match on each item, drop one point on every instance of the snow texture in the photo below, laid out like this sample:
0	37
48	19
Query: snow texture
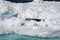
12	18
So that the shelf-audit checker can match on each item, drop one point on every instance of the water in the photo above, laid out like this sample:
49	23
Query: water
14	36
20	1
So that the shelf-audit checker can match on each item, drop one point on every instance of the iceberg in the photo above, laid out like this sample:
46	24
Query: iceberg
13	15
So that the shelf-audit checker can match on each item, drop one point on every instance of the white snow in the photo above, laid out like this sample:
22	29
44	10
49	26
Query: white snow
48	11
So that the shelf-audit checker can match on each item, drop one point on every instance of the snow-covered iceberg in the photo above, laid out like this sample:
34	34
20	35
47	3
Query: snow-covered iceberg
13	15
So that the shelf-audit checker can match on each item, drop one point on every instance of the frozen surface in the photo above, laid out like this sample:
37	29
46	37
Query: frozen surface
12	18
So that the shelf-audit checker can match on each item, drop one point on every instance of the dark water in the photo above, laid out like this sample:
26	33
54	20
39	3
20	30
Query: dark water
51	0
25	1
14	36
20	1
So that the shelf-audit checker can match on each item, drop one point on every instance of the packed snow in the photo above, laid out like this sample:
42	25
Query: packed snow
12	18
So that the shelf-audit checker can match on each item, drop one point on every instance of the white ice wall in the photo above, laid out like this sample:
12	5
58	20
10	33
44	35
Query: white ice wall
44	11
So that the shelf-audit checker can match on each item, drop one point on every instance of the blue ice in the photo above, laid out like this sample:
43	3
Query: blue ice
4	15
35	24
21	24
15	15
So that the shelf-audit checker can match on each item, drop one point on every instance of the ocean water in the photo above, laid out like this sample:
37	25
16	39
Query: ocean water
14	36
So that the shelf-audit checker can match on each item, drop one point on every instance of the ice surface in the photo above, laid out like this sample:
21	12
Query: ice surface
12	18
